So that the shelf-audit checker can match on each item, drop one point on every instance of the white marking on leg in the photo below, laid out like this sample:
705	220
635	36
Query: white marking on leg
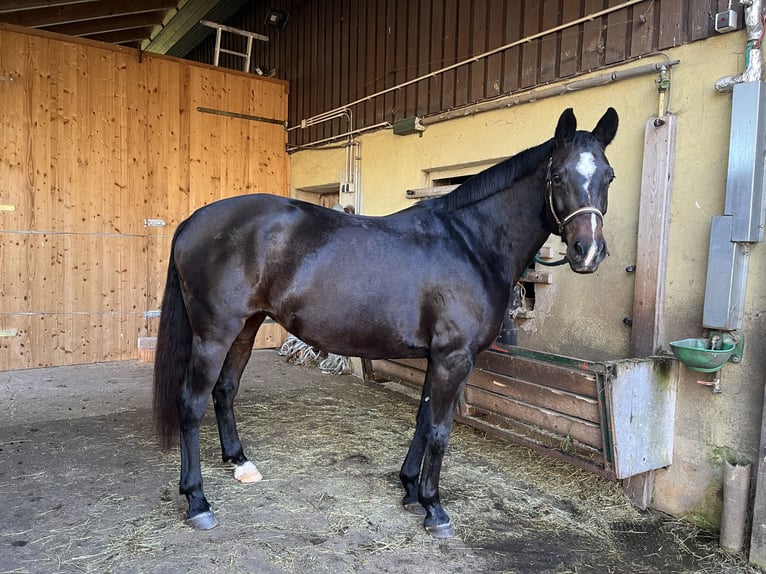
246	472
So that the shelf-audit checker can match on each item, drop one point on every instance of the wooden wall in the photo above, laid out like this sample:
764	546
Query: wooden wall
337	51
93	143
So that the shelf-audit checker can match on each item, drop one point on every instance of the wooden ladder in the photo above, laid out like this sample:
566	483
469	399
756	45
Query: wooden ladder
219	28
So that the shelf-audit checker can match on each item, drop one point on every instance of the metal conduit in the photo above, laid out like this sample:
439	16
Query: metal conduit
549	91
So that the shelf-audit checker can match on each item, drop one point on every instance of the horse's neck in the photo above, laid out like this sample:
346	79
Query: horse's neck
513	223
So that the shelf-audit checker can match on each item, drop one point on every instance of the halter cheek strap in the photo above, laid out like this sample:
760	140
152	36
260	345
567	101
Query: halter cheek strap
562	222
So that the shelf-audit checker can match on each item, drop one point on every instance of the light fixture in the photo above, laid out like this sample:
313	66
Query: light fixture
276	18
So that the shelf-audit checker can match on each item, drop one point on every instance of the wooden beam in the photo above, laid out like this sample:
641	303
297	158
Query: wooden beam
652	248
67	14
21	5
647	335
104	25
122	36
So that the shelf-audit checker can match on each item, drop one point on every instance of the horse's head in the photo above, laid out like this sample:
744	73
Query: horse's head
577	182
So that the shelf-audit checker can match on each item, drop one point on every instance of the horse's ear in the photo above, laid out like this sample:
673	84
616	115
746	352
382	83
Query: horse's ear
565	130
606	127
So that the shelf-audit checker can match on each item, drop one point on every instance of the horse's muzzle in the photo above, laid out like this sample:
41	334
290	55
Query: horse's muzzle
585	254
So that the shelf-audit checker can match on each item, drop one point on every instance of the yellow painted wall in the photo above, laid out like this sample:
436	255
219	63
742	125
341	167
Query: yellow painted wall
583	315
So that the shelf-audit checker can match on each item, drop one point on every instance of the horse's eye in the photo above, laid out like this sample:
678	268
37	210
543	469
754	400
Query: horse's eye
610	176
556	177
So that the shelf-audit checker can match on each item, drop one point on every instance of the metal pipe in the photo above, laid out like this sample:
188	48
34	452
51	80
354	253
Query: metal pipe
472	59
313	145
549	91
736	491
753	64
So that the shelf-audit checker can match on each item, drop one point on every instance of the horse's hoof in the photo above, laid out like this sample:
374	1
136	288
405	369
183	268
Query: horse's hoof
414	508
203	521
246	472
441	530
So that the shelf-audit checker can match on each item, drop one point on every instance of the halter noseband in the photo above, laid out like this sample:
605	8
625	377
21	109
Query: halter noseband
562	222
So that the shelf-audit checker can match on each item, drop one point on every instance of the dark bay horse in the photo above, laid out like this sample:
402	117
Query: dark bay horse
430	281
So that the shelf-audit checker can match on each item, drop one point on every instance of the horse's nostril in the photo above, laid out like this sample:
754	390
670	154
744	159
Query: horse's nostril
579	249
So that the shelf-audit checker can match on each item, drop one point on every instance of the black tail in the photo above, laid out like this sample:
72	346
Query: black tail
173	354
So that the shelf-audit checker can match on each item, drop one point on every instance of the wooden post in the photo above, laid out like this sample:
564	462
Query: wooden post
651	254
758	535
647	335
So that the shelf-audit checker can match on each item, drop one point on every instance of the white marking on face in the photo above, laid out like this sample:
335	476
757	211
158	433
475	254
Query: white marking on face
593	249
586	167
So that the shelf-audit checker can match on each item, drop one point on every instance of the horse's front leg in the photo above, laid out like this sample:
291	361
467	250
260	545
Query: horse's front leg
224	393
449	374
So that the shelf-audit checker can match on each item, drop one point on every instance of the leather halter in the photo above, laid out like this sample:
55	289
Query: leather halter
562	222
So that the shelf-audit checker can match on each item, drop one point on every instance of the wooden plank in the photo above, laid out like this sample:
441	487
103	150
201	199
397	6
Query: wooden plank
379	77
370	71
478	70
270	336
701	19
402	17
512	57
399	372
462	74
569	55
412	66
423	65
530	51
494	73
435	84
550	48
540	373
536	438
644	31
618	28
757	554
449	79
671	32
592	37
542	396
647	335
558	423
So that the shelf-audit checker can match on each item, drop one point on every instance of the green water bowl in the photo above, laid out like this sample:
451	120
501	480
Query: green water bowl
697	355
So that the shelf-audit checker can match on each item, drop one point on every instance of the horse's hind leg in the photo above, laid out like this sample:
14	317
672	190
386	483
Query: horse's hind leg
410	471
225	391
207	358
448	375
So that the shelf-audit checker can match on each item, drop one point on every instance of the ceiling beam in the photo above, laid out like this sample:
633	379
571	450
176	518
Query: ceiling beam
68	14
19	5
129	36
183	32
105	25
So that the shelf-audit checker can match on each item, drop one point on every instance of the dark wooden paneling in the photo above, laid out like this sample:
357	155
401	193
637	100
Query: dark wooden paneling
337	51
530	51
450	54
592	37
571	41
550	45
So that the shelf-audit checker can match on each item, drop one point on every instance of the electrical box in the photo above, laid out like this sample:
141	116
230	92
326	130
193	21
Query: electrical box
725	21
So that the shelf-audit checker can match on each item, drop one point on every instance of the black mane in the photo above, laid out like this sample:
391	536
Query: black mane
496	178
